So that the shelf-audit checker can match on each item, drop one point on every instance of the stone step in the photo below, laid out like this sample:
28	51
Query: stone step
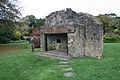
68	69
57	57
64	62
68	74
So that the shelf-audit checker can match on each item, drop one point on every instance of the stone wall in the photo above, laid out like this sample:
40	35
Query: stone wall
94	41
57	42
76	42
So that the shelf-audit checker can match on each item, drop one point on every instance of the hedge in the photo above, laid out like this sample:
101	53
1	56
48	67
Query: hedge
113	39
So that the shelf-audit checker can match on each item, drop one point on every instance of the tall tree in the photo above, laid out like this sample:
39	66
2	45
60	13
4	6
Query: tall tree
105	19
9	10
111	22
9	14
39	22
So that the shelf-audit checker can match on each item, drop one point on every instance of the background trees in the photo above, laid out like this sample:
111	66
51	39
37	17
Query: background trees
9	14
111	26
11	22
9	10
111	23
31	21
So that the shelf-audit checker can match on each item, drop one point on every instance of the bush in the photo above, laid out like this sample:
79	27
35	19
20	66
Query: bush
112	39
18	34
4	39
14	39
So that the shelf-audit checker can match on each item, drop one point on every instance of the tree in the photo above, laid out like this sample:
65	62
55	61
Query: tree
111	23
39	22
111	15
105	19
18	34
31	21
9	14
9	10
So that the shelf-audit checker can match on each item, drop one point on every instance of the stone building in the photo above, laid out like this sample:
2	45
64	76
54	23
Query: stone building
78	34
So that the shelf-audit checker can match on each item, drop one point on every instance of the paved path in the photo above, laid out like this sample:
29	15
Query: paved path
67	71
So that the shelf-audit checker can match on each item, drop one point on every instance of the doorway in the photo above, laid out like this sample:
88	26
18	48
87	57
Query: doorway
56	42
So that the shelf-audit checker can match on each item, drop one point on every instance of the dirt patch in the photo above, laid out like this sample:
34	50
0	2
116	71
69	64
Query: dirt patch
9	48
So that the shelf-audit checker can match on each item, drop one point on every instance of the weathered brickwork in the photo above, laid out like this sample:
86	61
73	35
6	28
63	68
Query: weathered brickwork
80	34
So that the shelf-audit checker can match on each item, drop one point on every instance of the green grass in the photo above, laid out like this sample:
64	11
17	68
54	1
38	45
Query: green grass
107	68
23	65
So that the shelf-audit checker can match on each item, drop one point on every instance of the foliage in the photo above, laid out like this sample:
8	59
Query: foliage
30	31
110	22
116	31
5	36
18	34
111	39
39	22
4	39
31	21
30	18
21	27
6	31
9	10
9	13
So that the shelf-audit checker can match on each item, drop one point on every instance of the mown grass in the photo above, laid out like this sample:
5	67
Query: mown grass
23	65
107	68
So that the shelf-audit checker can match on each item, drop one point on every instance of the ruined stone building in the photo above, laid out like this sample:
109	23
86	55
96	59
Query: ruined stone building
78	34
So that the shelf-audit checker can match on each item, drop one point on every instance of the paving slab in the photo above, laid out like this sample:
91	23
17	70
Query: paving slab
68	74
68	69
64	65
64	62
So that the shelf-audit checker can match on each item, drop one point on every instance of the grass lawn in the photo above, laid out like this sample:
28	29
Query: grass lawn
20	64
107	68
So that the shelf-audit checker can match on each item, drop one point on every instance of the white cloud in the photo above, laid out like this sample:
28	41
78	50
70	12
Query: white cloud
41	8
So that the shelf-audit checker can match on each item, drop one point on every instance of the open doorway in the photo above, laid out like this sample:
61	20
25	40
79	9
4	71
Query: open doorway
56	42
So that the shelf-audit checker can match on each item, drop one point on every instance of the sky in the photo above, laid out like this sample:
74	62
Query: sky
42	8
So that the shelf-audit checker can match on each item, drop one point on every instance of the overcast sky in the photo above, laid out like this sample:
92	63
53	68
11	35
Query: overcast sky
41	8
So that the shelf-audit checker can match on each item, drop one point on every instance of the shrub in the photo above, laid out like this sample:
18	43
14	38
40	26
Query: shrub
4	39
18	34
112	39
116	31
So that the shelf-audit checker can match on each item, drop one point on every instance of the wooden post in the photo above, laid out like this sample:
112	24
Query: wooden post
32	44
32	47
